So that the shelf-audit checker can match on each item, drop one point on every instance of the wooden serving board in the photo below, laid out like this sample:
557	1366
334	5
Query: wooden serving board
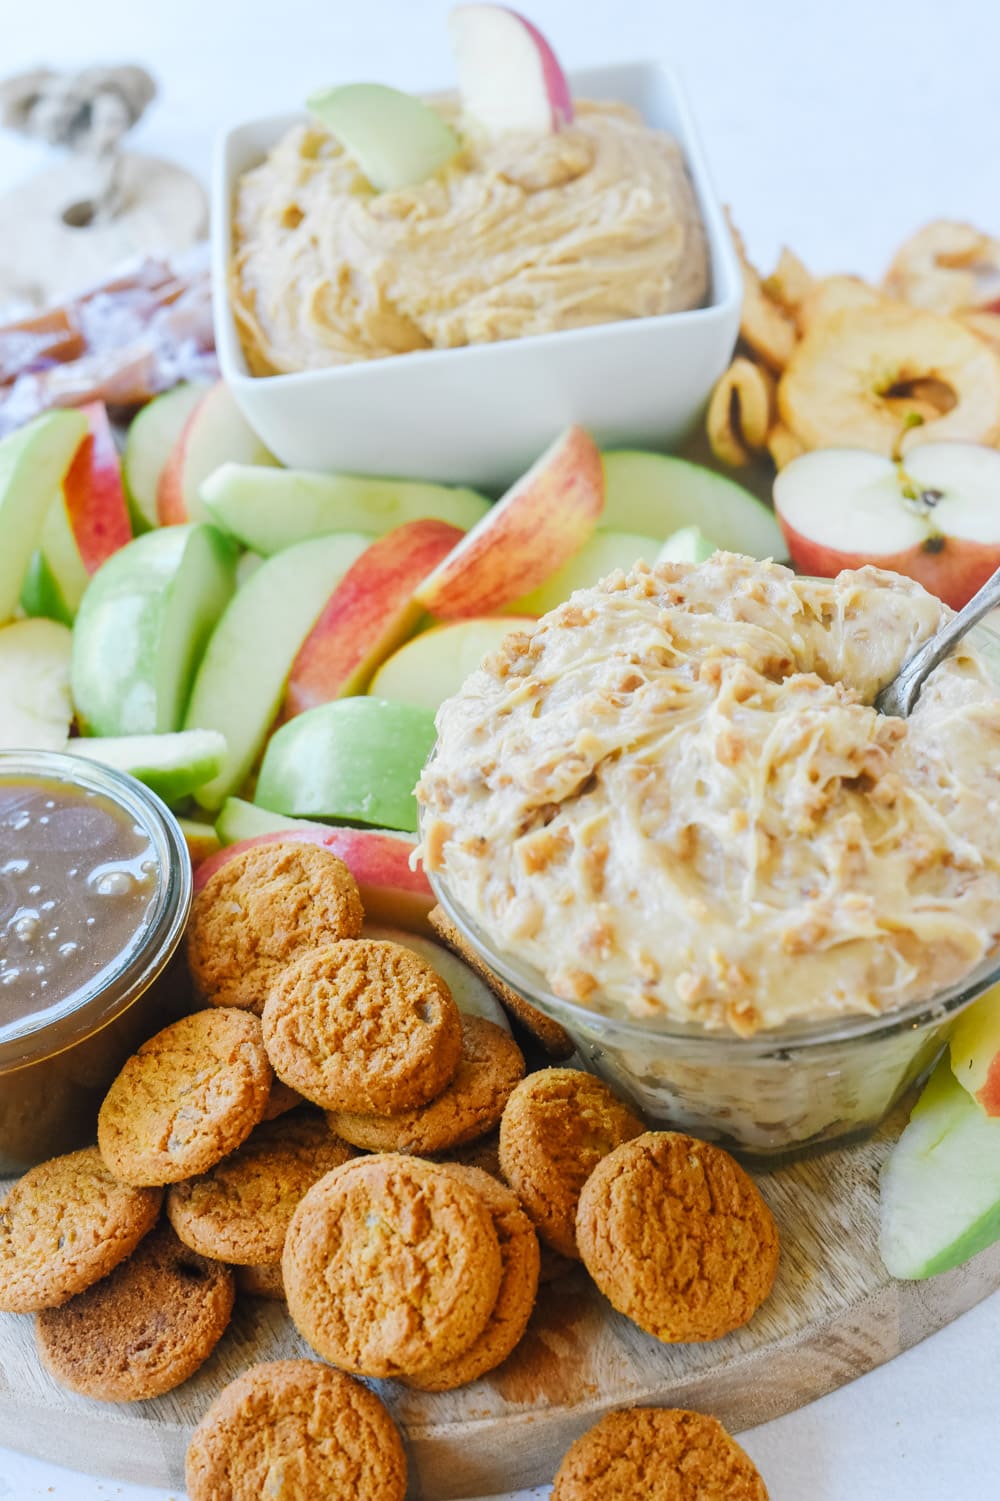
833	1315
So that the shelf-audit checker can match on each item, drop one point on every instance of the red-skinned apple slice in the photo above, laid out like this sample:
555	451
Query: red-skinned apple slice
378	860
94	495
528	535
215	433
934	517
369	614
509	77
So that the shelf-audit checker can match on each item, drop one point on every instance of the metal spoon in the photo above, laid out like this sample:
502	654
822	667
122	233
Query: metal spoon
899	696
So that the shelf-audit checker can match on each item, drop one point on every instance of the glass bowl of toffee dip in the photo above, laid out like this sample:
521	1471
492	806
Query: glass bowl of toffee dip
95	888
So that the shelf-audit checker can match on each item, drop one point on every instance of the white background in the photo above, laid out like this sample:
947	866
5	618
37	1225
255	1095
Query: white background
836	128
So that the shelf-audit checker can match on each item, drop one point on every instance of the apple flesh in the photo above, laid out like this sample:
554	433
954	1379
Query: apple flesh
509	77
173	766
357	759
33	462
435	664
658	494
940	1201
378	859
370	612
395	138
200	838
270	509
687	545
934	516
36	709
472	995
541	522
151	439
215	432
241	680
975	1051
143	625
600	555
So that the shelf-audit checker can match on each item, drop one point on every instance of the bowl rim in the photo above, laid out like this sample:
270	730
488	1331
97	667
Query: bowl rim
777	1043
725	297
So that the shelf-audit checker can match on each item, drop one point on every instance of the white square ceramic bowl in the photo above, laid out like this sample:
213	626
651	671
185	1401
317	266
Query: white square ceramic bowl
481	414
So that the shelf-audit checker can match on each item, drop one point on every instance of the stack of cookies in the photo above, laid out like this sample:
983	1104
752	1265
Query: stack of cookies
326	1131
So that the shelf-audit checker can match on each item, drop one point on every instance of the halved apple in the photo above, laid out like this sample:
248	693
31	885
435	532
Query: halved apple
435	664
601	554
395	138
142	627
509	77
657	494
541	522
357	760
33	462
216	432
270	509
151	439
36	709
370	612
934	516
379	860
241	680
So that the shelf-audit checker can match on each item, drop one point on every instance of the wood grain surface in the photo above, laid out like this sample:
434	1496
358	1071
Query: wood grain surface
833	1315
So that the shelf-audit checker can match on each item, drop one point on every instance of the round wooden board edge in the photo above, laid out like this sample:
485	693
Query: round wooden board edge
461	1459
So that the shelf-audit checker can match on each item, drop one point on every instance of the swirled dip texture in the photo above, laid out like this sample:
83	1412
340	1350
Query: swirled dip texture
524	235
674	799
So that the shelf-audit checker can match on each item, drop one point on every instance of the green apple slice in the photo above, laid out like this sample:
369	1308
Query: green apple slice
41	594
150	442
601	554
33	463
239	820
271	509
201	839
941	1184
356	760
435	664
142	627
173	766
688	545
241	680
36	709
657	494
395	138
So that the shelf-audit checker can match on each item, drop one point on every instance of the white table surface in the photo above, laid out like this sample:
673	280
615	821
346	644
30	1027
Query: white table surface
835	128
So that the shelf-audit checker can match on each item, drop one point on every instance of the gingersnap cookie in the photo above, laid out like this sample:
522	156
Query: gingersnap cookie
391	1265
260	911
553	1038
518	1288
142	1330
190	1096
240	1210
483	1153
677	1237
363	1025
556	1127
260	1282
296	1430
471	1105
657	1454
66	1224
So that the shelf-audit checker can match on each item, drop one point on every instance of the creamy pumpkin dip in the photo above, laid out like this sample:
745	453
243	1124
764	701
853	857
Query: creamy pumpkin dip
525	235
674	799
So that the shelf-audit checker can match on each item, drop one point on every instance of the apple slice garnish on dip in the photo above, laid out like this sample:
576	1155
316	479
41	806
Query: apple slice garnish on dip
395	138
509	77
935	516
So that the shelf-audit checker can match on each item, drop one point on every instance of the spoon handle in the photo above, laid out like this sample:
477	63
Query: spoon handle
899	696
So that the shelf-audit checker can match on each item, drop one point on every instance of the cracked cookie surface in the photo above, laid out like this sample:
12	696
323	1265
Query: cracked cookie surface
657	1454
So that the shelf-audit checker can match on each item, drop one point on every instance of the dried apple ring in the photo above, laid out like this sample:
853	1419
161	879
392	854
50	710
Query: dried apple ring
832	294
985	325
783	445
768	329
790	282
945	267
861	377
740	412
